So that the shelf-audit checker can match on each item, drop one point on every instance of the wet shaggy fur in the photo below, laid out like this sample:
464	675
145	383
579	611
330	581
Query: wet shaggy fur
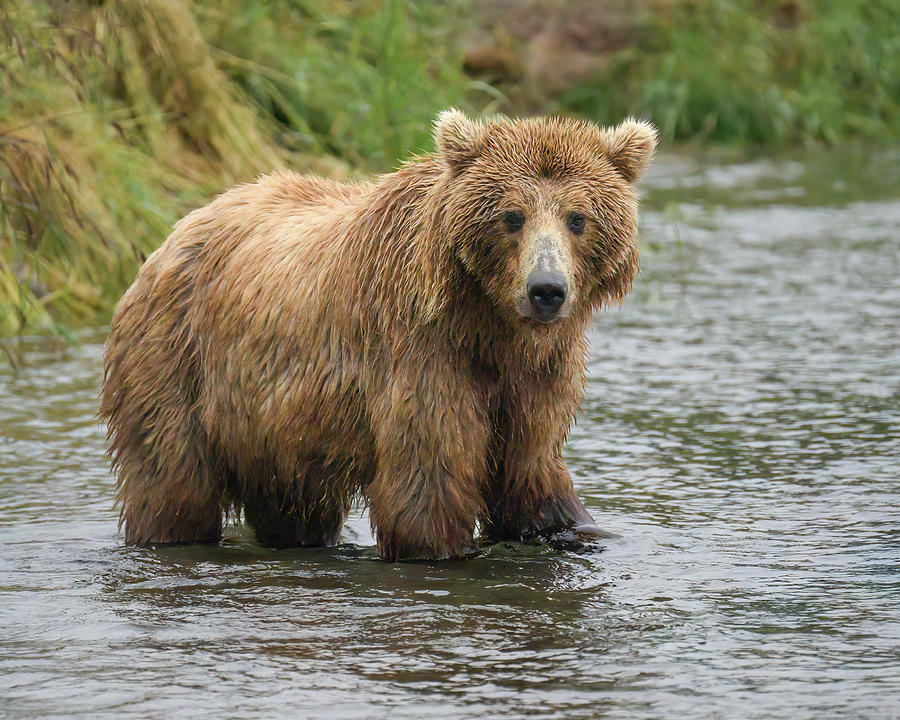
298	342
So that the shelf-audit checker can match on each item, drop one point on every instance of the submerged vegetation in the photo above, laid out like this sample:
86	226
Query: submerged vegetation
118	117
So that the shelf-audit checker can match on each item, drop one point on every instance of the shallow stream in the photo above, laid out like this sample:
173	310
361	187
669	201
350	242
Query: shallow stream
741	433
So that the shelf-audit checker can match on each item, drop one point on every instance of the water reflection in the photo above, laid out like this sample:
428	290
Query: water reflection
741	433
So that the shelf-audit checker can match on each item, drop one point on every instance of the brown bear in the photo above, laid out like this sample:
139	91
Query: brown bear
418	339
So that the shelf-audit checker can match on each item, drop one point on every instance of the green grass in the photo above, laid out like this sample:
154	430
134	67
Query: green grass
751	71
361	81
113	121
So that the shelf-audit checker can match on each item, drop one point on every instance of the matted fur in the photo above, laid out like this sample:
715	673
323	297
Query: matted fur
299	341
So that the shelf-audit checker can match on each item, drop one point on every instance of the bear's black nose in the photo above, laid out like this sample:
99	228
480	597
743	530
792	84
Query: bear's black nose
547	293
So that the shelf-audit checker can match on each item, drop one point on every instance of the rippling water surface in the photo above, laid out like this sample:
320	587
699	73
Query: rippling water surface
741	432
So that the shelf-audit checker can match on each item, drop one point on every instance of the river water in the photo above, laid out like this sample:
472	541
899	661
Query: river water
741	434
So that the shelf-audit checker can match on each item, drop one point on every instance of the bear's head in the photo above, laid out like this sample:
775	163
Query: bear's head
542	212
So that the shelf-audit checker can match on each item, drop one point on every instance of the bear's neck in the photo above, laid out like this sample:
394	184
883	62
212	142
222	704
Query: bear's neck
509	347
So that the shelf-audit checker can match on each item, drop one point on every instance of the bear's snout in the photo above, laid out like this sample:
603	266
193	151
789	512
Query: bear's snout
546	292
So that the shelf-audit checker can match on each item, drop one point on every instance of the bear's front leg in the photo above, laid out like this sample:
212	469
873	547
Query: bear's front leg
432	436
535	498
531	494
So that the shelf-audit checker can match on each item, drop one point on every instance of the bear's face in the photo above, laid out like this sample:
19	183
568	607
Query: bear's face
542	213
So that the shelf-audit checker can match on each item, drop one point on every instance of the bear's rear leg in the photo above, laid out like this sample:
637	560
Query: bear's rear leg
176	498
310	511
170	482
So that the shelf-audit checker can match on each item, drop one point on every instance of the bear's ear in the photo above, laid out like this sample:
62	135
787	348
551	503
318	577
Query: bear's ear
629	146
458	138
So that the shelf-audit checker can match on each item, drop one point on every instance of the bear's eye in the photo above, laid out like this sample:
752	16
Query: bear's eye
514	220
576	223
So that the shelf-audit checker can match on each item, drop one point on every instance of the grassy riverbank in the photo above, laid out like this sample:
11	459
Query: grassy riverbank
118	117
744	71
